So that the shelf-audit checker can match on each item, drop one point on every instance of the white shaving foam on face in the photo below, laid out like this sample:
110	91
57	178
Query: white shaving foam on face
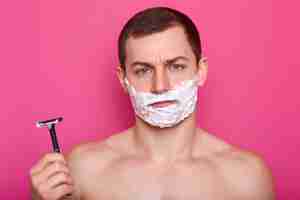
184	95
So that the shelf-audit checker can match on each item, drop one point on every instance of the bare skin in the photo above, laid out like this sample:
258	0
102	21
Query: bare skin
118	169
150	163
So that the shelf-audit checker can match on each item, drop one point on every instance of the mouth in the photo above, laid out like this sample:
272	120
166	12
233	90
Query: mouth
162	104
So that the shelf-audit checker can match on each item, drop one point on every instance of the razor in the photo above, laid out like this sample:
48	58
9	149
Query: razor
51	127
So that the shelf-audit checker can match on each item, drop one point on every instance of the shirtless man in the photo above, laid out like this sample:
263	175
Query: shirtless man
163	156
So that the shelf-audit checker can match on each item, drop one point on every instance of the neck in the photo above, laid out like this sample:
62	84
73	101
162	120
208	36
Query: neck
166	144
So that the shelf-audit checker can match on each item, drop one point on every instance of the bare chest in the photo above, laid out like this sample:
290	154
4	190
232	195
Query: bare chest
139	182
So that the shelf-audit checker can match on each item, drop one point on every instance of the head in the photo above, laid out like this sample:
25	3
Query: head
158	48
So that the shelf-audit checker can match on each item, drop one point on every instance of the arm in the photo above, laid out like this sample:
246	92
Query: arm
250	178
74	161
85	162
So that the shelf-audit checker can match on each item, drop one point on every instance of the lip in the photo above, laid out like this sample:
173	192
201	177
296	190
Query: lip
162	104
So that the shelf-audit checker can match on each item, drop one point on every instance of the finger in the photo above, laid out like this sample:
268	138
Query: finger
63	191
54	168
46	192
60	179
46	160
50	170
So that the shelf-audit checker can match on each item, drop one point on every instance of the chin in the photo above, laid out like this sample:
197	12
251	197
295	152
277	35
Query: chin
140	120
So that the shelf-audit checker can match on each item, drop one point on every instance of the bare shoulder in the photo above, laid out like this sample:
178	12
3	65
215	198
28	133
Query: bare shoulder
245	172
88	159
84	154
101	153
248	173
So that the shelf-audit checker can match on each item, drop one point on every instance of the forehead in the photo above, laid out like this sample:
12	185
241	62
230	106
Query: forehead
158	47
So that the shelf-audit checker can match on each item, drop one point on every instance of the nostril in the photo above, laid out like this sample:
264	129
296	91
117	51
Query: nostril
161	86
159	91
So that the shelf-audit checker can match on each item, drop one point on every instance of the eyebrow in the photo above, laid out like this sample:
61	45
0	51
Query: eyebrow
166	62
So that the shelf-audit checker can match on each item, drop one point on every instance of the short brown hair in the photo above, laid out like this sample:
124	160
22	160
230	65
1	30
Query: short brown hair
154	20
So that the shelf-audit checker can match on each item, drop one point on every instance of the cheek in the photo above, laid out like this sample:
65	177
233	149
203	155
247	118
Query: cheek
187	74
141	86
146	87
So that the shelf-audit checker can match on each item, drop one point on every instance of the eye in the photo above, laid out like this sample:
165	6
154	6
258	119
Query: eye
142	71
177	67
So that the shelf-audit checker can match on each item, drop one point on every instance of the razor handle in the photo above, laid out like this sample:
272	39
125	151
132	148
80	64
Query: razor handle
54	139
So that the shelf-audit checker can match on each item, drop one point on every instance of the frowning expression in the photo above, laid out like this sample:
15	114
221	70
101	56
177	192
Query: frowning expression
158	62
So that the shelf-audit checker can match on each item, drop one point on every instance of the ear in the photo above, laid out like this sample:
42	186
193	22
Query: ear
202	70
121	76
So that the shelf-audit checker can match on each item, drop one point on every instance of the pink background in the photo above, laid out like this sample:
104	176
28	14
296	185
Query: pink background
58	58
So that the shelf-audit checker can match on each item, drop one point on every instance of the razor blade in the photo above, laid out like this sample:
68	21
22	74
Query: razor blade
50	124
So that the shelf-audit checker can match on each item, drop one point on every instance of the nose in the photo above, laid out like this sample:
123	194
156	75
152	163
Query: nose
160	83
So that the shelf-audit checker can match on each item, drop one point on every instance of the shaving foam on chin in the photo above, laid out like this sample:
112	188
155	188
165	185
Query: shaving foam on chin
184	95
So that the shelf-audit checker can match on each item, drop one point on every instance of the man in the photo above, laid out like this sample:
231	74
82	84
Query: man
164	155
